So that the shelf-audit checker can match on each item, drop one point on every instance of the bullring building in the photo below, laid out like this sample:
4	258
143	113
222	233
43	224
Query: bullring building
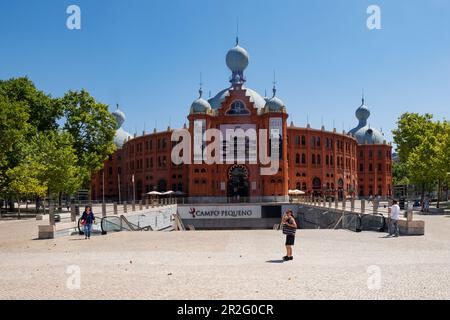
316	161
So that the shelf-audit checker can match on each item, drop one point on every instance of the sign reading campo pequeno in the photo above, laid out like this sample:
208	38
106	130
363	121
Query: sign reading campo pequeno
219	212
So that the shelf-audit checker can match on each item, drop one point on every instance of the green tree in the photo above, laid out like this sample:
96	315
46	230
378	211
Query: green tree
92	127
24	180
412	128
13	127
43	110
400	174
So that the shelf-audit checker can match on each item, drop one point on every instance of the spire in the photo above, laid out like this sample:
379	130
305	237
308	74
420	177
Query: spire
362	97
200	91
237	31
117	106
274	89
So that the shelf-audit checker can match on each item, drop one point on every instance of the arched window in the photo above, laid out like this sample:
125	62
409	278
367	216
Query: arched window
297	158
303	158
313	159
317	184
318	159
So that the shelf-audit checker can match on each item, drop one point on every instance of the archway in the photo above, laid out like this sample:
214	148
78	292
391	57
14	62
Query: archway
238	185
317	186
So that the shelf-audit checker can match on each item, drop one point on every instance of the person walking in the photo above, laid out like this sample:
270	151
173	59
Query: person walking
289	227
87	219
394	214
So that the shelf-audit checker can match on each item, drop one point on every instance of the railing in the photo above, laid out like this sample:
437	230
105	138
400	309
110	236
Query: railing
356	214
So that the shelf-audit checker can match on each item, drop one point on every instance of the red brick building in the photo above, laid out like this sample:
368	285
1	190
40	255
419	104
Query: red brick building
314	160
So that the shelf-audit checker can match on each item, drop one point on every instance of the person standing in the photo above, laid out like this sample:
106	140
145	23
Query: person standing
87	219
289	227
394	214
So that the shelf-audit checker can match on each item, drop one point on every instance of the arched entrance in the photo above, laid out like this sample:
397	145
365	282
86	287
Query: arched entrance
238	181
317	187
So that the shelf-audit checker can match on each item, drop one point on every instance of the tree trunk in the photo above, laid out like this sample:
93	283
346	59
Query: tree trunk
18	208
439	194
60	201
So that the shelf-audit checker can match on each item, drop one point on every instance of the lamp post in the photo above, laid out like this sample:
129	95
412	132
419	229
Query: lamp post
118	184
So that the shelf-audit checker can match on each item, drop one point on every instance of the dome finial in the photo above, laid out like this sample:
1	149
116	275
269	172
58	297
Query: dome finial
362	97
200	91
237	31
117	106
274	89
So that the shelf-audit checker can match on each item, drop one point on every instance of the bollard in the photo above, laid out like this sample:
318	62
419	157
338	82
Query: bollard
363	206
133	206
409	212
375	206
146	203
103	209
352	205
140	205
336	202
329	202
344	203
115	208
73	213
125	209
51	214
324	203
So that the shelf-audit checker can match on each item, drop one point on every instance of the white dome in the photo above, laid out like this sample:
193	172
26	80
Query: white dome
255	97
120	137
200	105
363	133
274	104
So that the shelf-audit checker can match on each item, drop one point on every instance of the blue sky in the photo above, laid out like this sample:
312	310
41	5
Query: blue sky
147	55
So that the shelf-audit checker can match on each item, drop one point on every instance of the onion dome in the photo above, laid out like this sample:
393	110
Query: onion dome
363	133
274	104
121	135
237	60
200	105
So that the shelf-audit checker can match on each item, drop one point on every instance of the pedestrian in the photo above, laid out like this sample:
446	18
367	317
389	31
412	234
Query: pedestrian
370	199
394	214
427	205
289	227
87	219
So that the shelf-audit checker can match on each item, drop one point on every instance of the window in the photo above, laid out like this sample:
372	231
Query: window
297	158
313	159
370	167
303	140
303	158
238	108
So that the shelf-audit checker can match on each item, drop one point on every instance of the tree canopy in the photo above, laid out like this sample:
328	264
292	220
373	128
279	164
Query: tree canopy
50	146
